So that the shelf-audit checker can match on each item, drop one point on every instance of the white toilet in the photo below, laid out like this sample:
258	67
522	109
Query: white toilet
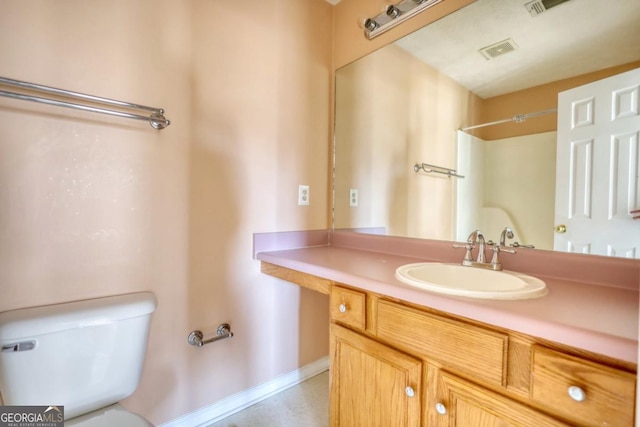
83	355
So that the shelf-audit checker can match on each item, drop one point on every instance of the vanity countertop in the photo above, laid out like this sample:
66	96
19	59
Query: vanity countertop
594	317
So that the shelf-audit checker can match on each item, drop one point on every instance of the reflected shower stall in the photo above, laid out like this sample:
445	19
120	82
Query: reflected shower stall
509	182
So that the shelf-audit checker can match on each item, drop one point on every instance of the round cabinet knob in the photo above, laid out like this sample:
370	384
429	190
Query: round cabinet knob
409	391
561	229
441	409
576	393
342	308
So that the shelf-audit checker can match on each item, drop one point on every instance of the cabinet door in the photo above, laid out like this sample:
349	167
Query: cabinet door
371	384
463	404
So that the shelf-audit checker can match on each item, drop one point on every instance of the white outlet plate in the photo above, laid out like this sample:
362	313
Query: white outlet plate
303	195
353	197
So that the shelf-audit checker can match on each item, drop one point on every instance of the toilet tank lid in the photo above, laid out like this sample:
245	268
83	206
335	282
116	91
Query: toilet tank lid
34	321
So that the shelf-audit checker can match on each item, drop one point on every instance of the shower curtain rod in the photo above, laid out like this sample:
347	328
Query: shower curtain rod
519	118
156	117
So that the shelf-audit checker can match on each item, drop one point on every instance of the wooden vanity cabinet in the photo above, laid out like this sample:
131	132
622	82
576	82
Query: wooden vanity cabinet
397	364
394	363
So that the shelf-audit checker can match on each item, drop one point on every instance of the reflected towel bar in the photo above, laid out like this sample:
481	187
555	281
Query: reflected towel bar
197	338
156	117
436	169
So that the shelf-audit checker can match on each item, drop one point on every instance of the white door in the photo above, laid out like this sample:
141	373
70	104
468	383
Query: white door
597	168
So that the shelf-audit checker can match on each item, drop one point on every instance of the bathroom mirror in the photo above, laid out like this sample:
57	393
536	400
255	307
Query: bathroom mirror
403	105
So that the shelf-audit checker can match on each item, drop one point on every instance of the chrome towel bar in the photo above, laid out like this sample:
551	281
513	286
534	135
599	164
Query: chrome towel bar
196	337
155	118
436	169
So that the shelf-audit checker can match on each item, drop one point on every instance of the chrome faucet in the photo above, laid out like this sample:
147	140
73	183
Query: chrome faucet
477	238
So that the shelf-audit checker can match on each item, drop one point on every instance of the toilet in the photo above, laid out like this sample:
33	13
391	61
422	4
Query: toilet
83	355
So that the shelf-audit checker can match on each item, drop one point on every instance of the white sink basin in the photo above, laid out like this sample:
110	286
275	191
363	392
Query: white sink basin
455	279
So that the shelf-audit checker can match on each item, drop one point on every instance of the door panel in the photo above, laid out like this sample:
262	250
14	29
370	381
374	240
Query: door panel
597	167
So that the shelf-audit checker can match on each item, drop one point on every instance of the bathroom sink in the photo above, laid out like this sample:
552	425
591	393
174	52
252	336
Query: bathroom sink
455	279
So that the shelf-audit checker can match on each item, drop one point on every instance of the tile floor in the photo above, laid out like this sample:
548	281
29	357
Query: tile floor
304	405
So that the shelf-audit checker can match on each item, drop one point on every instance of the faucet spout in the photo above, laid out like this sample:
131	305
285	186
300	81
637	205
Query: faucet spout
481	245
477	237
507	233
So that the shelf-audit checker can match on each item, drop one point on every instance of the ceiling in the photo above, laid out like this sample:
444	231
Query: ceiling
570	39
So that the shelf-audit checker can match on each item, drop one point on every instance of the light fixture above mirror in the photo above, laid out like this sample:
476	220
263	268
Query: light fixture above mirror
394	15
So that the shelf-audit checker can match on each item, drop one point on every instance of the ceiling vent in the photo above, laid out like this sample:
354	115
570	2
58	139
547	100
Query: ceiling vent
536	7
497	49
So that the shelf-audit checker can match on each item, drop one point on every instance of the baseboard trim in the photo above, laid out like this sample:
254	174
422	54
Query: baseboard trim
239	401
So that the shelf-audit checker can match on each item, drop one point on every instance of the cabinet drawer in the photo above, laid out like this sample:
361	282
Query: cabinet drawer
464	348
608	395
348	307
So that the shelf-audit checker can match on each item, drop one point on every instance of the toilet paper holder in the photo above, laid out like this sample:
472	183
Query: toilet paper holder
197	338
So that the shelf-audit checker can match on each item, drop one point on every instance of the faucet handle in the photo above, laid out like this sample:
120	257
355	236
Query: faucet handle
520	245
497	249
468	247
495	262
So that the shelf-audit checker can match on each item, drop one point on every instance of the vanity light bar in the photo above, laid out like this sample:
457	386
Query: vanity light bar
394	15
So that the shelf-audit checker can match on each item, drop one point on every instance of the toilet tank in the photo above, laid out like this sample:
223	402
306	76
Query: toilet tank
84	354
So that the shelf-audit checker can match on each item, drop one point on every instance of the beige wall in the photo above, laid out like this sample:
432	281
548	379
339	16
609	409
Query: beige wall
93	206
371	154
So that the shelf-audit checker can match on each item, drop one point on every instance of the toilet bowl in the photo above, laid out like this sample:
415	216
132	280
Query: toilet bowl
82	355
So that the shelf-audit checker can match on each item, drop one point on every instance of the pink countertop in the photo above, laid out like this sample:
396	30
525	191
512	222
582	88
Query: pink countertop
602	318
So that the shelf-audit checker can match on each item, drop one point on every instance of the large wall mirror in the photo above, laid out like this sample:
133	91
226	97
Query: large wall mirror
433	98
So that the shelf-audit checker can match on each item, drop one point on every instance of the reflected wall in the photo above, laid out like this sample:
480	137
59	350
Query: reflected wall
394	111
